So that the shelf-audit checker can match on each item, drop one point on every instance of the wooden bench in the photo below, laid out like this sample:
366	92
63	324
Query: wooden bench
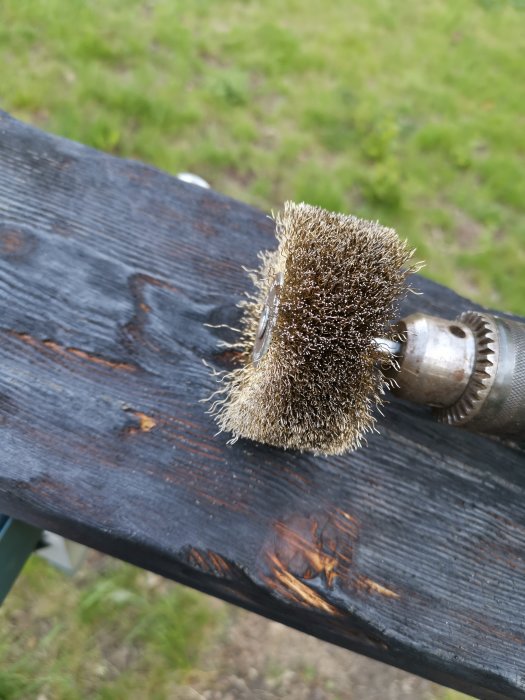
411	550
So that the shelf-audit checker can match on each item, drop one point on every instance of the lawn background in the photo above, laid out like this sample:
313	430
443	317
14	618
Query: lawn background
411	113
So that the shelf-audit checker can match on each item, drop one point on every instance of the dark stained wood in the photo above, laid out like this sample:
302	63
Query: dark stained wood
411	551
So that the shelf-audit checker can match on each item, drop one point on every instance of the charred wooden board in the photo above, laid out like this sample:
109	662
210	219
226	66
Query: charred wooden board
411	551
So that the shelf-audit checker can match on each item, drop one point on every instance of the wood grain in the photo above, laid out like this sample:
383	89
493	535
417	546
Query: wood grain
410	550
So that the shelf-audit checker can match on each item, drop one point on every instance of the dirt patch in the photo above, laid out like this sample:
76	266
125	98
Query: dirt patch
256	659
467	232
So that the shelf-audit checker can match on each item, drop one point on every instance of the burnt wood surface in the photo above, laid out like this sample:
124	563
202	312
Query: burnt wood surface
410	550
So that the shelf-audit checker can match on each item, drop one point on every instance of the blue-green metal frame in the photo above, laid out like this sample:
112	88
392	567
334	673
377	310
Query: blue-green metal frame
17	541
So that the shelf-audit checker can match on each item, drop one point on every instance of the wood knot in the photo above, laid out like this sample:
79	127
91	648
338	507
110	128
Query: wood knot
307	556
142	423
308	553
16	241
316	545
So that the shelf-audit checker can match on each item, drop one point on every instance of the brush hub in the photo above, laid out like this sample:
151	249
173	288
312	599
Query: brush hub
267	320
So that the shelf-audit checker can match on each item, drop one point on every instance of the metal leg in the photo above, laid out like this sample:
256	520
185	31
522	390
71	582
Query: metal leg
61	553
17	541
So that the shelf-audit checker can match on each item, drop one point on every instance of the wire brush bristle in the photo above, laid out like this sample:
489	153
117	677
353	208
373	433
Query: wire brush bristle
319	380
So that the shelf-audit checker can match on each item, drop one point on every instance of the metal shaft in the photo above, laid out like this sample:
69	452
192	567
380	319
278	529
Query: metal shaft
389	348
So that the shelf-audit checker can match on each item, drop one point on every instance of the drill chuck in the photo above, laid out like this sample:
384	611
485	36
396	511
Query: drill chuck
471	370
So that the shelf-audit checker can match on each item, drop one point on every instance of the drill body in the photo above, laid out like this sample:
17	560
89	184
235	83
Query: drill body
471	370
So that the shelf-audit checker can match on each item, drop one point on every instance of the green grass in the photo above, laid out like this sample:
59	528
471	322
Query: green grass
453	695
412	115
112	633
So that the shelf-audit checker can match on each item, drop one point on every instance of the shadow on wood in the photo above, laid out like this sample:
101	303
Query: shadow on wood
410	550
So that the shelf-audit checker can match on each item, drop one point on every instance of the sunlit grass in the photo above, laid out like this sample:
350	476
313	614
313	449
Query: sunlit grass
114	632
453	695
412	116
